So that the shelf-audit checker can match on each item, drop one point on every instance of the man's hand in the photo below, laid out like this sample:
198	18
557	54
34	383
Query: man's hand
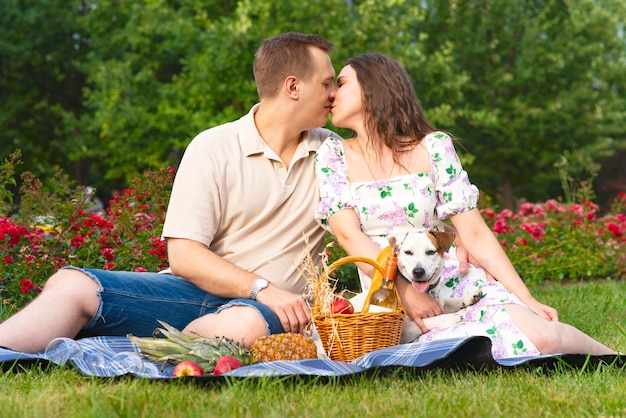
292	310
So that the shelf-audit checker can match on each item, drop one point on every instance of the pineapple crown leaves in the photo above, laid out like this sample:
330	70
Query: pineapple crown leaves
177	347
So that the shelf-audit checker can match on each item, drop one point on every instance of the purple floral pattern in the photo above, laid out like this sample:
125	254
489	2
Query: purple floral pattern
420	202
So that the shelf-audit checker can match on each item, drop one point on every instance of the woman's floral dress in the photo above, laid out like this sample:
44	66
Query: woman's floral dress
420	202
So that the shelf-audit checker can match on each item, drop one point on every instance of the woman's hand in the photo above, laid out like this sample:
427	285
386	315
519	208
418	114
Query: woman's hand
417	305
544	311
465	259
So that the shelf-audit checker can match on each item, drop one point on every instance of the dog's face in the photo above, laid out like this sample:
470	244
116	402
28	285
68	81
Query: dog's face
420	256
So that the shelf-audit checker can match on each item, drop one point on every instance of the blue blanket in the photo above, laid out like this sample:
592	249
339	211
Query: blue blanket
118	356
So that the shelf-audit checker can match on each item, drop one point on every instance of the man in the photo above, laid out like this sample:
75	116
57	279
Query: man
240	212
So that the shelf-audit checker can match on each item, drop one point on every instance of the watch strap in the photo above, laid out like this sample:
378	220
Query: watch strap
259	284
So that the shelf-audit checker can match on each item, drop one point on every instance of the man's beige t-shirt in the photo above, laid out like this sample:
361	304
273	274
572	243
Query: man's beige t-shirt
233	194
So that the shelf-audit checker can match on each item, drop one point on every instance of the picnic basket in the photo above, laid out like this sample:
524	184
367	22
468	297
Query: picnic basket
346	337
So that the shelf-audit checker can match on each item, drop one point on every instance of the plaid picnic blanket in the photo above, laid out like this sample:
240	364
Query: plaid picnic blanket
118	356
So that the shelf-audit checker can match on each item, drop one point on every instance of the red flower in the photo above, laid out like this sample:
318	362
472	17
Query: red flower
77	241
159	249
522	241
489	213
577	209
140	270
551	205
8	259
60	262
614	228
26	285
499	227
535	229
14	232
108	253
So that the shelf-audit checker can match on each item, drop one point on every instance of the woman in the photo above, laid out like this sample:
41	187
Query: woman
398	173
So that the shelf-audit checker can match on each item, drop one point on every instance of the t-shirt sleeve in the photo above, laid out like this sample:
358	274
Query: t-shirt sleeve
194	210
455	193
332	180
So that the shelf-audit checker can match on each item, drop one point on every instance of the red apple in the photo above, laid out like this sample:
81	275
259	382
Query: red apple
187	368
341	305
226	364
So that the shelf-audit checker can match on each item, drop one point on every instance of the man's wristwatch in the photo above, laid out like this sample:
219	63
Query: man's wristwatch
259	284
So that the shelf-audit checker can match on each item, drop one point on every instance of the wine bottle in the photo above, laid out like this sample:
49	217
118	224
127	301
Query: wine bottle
384	298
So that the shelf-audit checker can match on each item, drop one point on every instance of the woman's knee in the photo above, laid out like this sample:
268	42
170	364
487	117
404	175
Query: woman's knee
549	338
546	336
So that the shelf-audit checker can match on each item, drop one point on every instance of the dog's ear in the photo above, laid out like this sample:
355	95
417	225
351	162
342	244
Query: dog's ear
393	243
445	239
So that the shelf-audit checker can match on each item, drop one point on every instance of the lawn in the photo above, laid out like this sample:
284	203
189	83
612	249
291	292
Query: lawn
596	307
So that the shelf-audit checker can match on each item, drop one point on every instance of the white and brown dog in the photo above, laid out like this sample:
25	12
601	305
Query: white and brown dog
420	261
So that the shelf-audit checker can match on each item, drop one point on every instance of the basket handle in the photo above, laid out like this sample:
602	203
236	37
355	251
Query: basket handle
377	276
379	271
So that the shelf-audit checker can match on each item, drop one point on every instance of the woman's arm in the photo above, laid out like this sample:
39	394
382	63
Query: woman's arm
347	229
482	244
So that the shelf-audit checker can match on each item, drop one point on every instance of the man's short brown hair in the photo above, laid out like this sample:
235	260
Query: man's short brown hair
284	55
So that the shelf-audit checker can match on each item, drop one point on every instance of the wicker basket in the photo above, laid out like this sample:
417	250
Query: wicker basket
346	337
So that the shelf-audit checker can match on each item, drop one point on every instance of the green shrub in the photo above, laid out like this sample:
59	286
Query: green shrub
55	225
556	241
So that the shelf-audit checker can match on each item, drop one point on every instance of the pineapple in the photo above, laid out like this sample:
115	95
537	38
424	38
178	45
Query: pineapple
288	346
177	347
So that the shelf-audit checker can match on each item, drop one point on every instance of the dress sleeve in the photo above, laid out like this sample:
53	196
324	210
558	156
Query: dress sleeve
455	194
332	181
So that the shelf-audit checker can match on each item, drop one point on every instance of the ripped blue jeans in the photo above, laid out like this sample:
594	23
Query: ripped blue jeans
132	302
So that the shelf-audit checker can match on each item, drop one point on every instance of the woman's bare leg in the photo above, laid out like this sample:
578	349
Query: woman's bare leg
554	337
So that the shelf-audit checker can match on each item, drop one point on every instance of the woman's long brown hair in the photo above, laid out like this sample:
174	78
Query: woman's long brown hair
393	114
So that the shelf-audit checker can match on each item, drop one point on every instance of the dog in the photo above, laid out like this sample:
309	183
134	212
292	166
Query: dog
420	261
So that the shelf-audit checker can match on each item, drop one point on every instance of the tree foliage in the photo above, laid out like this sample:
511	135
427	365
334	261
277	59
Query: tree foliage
108	89
40	84
546	77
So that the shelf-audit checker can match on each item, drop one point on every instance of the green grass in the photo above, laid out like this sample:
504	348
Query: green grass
597	308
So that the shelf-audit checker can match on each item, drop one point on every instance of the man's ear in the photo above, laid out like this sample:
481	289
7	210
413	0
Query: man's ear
292	87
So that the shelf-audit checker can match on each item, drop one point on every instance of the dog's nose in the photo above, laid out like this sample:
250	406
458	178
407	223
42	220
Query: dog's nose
418	272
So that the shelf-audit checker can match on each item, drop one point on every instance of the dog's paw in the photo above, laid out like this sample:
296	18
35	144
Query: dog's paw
442	321
468	300
410	331
476	297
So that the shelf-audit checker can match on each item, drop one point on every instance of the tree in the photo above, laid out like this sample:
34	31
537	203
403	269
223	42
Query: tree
546	77
40	83
108	89
160	73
